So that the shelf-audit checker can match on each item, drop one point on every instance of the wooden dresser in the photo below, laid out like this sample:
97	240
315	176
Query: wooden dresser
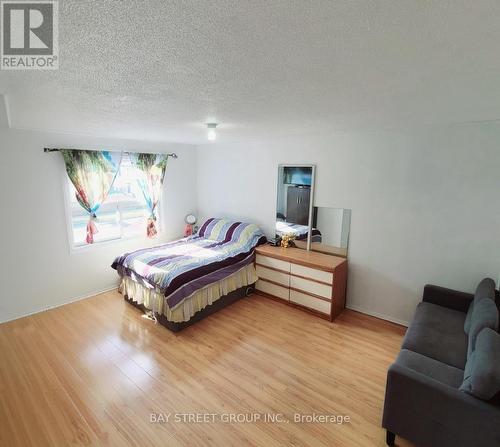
312	281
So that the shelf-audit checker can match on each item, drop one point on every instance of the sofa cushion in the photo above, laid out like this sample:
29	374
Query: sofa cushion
446	374
485	289
482	371
437	332
468	318
484	315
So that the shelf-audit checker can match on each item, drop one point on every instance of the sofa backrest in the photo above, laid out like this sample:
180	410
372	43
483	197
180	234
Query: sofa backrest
484	290
484	315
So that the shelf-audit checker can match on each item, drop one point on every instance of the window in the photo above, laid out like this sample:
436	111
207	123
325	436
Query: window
123	214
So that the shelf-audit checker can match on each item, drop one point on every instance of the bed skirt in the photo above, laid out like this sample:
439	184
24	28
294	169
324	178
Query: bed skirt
222	302
151	299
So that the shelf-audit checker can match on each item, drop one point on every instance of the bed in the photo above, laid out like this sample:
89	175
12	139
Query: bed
300	231
183	281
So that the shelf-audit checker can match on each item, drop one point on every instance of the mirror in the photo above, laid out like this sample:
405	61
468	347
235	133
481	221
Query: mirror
330	230
294	202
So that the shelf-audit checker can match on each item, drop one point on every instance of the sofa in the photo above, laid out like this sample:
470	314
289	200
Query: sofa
444	387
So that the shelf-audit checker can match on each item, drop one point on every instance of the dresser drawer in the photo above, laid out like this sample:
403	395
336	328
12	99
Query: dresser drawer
272	262
311	287
310	301
273	289
307	272
273	275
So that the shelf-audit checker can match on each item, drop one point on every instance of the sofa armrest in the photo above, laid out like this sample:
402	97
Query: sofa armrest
428	412
452	299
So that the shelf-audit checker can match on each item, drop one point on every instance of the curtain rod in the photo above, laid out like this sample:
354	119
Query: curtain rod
51	149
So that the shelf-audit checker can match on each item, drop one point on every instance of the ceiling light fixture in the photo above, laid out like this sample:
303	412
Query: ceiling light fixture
211	134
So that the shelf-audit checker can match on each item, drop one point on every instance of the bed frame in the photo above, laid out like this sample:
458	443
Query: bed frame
222	302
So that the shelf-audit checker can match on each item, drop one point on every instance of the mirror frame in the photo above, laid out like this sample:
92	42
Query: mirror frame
311	202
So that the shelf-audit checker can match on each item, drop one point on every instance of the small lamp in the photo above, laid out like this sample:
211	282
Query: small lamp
190	220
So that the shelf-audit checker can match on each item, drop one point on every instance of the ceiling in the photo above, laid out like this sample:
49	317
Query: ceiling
159	70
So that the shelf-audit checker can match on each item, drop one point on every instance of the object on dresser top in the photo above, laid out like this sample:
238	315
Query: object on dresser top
312	281
287	240
275	241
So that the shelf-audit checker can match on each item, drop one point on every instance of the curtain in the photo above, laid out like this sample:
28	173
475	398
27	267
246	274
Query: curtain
152	167
92	174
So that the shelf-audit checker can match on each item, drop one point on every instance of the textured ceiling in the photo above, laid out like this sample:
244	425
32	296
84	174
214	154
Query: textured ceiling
158	70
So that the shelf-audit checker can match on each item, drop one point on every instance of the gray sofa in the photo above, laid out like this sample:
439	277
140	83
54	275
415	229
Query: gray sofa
449	356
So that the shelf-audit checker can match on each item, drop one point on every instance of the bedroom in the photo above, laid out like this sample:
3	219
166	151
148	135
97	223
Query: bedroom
390	109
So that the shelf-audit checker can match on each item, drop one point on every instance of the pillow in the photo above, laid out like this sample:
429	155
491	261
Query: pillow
485	289
482	370
224	230
216	229
484	315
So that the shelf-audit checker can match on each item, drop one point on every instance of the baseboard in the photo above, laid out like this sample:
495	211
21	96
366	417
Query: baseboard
73	300
379	315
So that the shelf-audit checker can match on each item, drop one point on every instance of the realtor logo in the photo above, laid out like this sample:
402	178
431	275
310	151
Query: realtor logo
29	37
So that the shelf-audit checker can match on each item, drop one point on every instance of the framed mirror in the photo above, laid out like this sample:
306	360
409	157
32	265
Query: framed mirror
294	206
330	231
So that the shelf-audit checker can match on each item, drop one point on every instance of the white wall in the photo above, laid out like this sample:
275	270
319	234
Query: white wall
37	269
425	204
425	208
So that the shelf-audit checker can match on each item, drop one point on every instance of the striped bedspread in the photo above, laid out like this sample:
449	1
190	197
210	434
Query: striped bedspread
180	268
300	231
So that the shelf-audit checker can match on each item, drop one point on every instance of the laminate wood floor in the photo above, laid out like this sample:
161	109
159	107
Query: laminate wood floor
96	372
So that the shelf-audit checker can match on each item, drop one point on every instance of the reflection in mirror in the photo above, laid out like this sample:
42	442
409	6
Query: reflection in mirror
330	231
333	224
294	201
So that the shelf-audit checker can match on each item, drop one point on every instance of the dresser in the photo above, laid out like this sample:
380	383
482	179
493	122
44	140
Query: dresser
310	280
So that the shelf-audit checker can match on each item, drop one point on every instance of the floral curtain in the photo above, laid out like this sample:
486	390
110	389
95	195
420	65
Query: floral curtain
152	167
92	174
